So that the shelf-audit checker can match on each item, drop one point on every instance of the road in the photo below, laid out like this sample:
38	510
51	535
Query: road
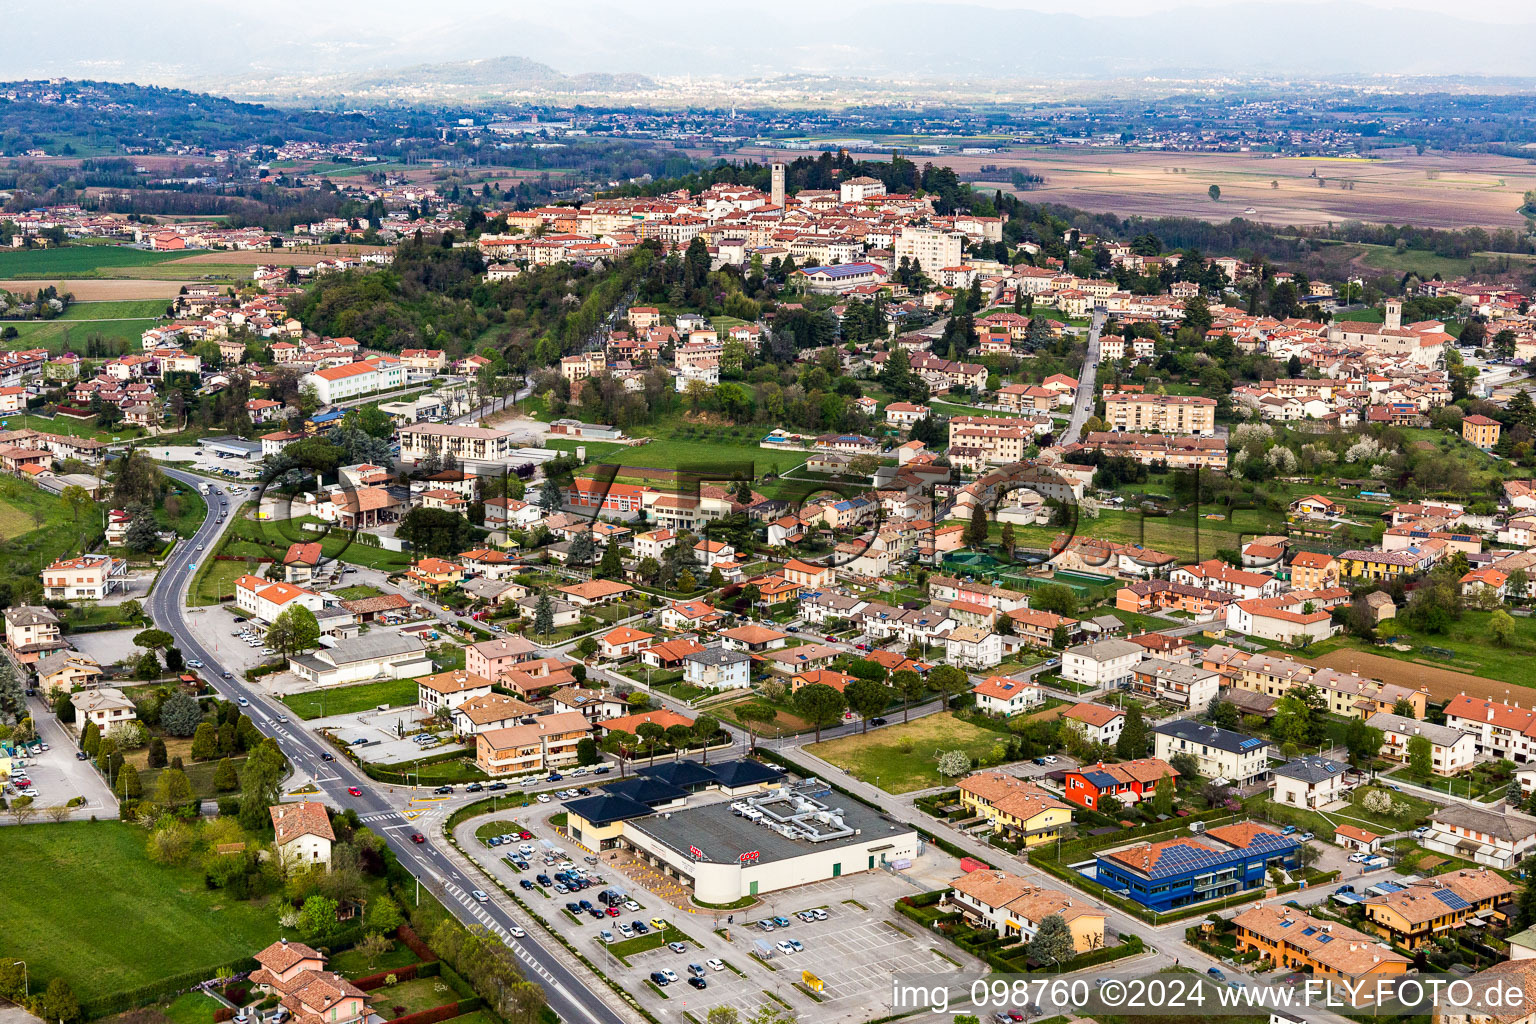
568	995
1082	407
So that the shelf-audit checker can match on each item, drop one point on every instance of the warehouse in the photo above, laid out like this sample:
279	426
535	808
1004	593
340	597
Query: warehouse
773	837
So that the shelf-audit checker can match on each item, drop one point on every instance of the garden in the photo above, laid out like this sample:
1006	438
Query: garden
903	757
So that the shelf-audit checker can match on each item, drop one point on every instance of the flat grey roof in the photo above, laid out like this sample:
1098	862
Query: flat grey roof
723	837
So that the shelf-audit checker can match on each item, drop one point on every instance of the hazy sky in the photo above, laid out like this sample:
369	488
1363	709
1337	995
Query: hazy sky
200	42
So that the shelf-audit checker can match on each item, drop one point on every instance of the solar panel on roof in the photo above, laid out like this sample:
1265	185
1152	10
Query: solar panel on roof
1286	924
1324	938
1451	899
1308	930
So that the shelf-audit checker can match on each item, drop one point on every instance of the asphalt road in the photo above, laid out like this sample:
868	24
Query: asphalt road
568	995
1082	408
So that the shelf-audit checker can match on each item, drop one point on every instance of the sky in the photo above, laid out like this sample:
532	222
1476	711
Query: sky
202	43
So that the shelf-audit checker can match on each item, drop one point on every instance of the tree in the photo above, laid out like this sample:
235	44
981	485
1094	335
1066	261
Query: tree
1186	765
1133	735
153	639
180	714
1362	741
317	917
1214	192
1404	707
1307	855
1053	597
611	567
704	729
1007	539
384	914
948	680
293	631
260	779
205	742
90	739
820	705
868	698
1162	797
1224	714
544	615
909	687
1420	756
373	946
1053	942
652	734
754	712
586	752
129	786
435	531
57	1003
954	763
1501	628
143	533
723	1015
225	778
173	788
976	529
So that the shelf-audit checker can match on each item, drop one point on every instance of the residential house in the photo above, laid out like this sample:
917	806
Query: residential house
302	834
623	642
88	577
1128	782
1451	750
107	707
490	658
1000	695
597	705
1418	913
1023	811
718	668
445	691
487	712
1094	722
1105	663
1220	753
1014	907
548	742
1499	838
1293	940
1310	781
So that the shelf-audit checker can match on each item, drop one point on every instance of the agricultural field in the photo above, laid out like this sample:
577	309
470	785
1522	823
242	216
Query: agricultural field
903	757
77	260
1462	659
163	920
99	289
1452	191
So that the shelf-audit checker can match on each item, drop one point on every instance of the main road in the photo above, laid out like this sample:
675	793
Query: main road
568	995
1082	408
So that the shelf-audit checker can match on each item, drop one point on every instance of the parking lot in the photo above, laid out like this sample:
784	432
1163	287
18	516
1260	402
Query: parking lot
228	639
854	951
56	776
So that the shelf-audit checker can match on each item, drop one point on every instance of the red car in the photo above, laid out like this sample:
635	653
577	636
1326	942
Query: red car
526	835
354	791
613	911
417	837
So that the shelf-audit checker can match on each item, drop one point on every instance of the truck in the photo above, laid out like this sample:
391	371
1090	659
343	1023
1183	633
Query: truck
205	487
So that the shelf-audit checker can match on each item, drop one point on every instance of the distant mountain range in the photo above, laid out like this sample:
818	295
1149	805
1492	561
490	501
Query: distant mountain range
457	50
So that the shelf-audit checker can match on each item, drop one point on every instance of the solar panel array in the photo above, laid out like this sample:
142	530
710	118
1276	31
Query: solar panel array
1451	899
1175	860
1324	938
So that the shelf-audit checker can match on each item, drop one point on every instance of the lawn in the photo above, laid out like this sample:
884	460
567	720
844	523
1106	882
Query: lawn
191	1008
350	963
1187	536
36	529
77	260
357	592
903	757
412	996
116	309
1464	647
347	700
54	334
270	539
677	444
98	913
215	580
199	773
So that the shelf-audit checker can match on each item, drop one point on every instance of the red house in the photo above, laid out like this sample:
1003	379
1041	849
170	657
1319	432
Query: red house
1129	782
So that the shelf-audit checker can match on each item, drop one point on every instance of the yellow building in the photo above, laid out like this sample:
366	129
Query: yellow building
1019	809
1294	939
1347	694
1480	430
1424	910
1378	565
1014	907
1311	570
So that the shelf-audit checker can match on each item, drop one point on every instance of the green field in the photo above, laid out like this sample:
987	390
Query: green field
348	700
1187	536
36	529
269	539
98	913
1468	641
733	450
55	334
118	309
214	581
77	260
879	758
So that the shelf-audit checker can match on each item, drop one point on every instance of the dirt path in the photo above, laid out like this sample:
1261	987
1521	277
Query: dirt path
1443	683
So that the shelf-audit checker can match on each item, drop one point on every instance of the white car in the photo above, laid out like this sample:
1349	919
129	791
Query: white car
543	798
1050	759
243	702
785	948
517	933
631	906
480	896
715	965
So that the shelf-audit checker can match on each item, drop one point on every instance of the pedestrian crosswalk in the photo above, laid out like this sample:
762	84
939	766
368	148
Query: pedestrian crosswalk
369	819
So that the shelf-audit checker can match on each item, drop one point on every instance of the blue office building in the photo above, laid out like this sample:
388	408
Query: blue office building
1178	872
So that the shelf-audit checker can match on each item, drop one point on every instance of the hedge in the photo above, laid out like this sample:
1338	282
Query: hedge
373	981
490	804
406	934
155	991
447	1011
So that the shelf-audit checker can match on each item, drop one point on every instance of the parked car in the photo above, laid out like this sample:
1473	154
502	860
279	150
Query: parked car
657	978
698	983
782	922
785	948
715	964
525	883
677	947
